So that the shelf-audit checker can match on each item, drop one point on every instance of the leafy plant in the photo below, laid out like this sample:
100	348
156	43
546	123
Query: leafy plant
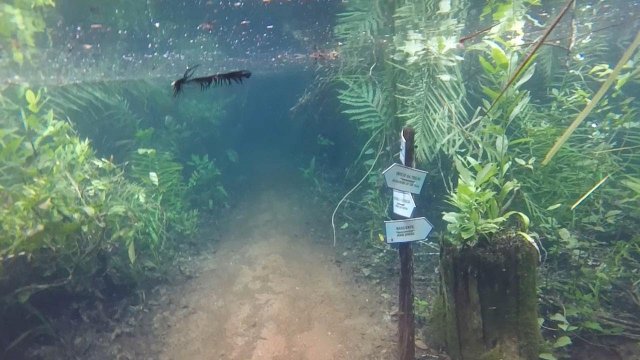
162	176
204	188
366	103
20	23
102	111
432	98
74	216
480	200
310	173
425	79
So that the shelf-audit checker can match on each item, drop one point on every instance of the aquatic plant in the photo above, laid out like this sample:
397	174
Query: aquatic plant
102	112
162	175
21	22
432	97
613	76
481	198
202	191
576	202
72	222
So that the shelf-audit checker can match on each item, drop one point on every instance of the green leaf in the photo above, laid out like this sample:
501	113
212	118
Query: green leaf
464	173
24	294
553	207
486	65
558	317
526	76
487	172
31	97
490	93
633	184
117	210
450	217
143	151
232	155
344	226
154	178
564	235
523	218
467	230
499	57
222	191
562	342
132	252
89	211
502	144
592	325
547	356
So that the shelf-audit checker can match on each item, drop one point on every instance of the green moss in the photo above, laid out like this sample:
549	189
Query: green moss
488	301
437	324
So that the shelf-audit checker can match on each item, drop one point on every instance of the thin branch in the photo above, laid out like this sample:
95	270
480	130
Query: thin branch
529	56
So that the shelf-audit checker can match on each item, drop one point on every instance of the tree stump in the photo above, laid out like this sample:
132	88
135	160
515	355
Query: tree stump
488	307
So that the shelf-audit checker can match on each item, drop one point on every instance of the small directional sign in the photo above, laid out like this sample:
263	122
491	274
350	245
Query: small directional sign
404	178
407	230
403	203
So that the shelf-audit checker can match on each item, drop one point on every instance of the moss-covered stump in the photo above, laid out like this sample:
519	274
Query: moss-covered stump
487	308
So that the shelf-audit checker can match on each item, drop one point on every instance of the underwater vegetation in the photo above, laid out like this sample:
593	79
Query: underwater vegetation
526	119
488	106
96	218
76	223
22	22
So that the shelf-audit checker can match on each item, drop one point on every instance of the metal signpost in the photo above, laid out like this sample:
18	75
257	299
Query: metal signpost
402	230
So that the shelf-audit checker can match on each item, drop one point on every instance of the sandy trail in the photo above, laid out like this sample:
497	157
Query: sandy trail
272	291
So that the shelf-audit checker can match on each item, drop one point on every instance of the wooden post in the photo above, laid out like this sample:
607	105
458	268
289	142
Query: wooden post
406	325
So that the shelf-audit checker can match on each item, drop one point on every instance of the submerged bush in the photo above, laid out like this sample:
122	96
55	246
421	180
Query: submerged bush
69	220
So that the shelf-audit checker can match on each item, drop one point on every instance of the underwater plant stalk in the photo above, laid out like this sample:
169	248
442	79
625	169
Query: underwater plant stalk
589	192
529	56
333	215
596	98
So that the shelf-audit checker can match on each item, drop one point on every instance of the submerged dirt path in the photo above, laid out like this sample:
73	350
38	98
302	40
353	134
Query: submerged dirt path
272	291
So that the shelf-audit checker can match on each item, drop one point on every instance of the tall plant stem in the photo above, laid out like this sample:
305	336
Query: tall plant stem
333	215
529	56
596	98
593	188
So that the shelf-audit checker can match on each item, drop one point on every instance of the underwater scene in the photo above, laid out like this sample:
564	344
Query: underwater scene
320	179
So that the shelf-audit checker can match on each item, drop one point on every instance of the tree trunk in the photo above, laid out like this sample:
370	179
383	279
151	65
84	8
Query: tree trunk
487	307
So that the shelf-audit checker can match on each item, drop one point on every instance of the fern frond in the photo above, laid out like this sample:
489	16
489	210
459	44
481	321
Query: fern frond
366	104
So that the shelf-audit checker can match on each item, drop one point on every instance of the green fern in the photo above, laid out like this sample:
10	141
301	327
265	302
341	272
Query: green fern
366	104
362	17
431	91
160	172
101	112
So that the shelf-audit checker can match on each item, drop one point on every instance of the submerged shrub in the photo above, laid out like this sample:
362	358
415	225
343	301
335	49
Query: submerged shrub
69	220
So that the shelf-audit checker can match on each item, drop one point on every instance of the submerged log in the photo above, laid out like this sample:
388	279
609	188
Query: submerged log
487	307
